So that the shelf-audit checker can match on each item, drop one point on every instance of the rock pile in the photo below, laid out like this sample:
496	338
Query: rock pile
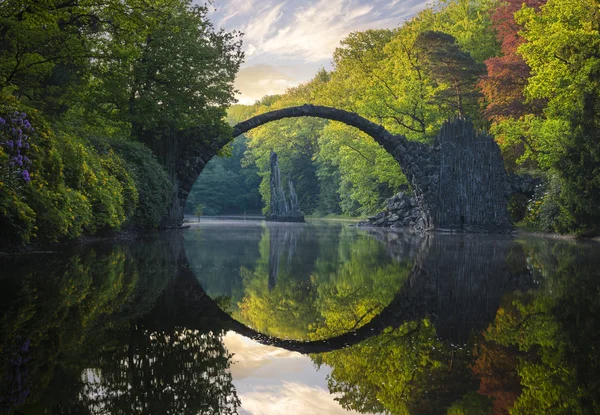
402	211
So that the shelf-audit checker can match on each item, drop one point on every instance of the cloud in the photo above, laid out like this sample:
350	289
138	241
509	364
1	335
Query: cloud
304	34
270	380
311	31
291	398
251	358
256	81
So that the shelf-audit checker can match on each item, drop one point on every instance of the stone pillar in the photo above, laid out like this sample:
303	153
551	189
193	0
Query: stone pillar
473	187
279	209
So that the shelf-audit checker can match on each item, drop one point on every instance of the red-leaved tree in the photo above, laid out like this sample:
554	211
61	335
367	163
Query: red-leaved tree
507	74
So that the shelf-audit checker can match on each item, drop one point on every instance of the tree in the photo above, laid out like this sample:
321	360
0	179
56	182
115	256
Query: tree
454	71
504	85
45	52
168	67
565	66
198	211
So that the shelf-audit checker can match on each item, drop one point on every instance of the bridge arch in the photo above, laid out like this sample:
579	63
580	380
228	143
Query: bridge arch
460	182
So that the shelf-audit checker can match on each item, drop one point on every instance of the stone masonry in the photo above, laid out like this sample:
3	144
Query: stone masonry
459	181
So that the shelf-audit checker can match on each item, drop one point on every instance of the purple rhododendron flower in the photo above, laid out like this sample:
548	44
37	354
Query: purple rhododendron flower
2	121
26	177
23	115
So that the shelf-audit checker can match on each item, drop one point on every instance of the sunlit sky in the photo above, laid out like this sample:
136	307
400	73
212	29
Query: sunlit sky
287	42
273	381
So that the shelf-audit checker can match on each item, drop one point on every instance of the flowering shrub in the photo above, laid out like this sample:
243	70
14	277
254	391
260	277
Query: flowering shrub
57	184
16	216
15	131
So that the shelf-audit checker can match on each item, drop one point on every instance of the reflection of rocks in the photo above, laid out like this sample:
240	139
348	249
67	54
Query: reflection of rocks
282	241
280	209
402	211
401	246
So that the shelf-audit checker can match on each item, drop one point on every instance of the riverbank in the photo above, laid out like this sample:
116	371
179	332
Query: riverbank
133	234
54	247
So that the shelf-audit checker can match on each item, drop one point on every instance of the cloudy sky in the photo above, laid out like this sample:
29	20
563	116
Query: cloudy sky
287	41
270	381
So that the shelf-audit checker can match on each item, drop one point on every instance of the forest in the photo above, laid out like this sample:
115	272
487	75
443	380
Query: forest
86	90
92	90
535	89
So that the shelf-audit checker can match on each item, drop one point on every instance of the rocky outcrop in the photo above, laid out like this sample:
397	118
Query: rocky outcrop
525	184
280	209
402	211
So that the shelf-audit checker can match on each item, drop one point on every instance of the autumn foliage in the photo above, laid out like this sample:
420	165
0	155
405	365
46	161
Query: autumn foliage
507	75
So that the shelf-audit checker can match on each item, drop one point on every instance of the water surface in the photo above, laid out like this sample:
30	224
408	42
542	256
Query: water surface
254	318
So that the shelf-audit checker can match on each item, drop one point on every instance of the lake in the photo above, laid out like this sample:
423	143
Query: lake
233	316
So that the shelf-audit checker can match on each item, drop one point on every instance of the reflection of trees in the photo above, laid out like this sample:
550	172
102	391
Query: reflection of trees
341	290
52	306
423	366
184	372
69	344
553	334
407	370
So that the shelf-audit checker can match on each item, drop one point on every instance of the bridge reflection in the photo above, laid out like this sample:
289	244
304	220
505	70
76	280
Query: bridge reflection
456	282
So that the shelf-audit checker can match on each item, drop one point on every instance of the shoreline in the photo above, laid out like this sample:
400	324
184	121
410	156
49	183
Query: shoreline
131	234
55	247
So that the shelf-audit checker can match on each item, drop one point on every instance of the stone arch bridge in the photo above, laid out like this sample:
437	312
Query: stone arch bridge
459	181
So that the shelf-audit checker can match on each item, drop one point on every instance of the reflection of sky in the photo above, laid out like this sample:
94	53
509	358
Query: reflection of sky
274	381
287	41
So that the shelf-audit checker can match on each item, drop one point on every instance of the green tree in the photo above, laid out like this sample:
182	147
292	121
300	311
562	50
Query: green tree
455	73
565	65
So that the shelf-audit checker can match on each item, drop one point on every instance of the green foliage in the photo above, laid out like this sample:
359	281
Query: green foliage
79	185
198	211
169	66
471	404
151	183
93	78
225	186
565	67
453	72
368	174
556	356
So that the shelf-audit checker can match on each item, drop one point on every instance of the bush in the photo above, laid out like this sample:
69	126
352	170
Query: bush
543	210
96	176
151	181
55	185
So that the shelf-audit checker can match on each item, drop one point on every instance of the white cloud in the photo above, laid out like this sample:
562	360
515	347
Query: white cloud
273	381
291	398
299	33
311	31
256	81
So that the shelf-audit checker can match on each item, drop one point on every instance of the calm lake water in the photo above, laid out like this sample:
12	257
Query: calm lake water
319	318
